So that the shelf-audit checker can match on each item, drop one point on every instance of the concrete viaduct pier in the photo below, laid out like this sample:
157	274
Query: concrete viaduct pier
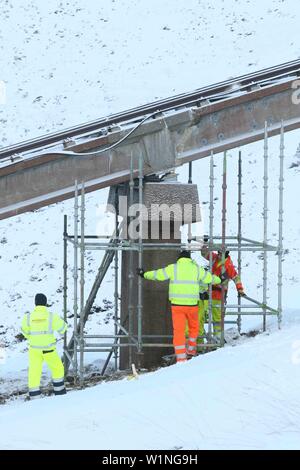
169	205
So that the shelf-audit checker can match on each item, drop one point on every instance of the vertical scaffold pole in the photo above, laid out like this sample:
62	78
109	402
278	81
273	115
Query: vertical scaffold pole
116	294
190	181
65	289
224	194
140	263
82	249
239	236
280	226
75	279
190	172
265	216
211	229
131	276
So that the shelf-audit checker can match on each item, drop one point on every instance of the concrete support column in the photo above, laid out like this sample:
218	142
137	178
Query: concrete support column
163	225
156	309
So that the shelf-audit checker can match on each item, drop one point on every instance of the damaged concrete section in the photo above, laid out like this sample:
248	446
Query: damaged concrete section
164	203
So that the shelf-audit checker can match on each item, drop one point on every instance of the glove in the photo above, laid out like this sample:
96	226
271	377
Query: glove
223	277
140	272
241	292
204	295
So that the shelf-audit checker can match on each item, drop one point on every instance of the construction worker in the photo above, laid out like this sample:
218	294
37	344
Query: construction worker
229	273
38	327
185	278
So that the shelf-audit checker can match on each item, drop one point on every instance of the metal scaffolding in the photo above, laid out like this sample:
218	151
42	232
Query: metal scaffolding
81	343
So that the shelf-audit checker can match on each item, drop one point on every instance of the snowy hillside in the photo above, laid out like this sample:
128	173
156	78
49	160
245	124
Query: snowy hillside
243	397
64	63
67	62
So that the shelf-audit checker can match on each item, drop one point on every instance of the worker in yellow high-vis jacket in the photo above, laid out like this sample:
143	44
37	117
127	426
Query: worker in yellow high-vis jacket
39	327
185	278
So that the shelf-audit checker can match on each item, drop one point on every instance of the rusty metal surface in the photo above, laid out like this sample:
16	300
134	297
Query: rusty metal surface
238	122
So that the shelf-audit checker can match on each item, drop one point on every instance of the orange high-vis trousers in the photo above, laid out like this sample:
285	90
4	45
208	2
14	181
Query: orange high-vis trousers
182	315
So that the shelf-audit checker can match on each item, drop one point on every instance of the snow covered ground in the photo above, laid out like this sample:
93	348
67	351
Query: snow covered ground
64	63
243	397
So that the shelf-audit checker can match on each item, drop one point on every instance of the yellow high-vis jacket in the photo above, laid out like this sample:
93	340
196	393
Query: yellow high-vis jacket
39	327
186	280
215	280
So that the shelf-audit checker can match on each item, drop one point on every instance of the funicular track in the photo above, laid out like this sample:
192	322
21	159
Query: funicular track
168	133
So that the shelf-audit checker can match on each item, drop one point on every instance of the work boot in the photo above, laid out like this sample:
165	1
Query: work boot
59	386
34	393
